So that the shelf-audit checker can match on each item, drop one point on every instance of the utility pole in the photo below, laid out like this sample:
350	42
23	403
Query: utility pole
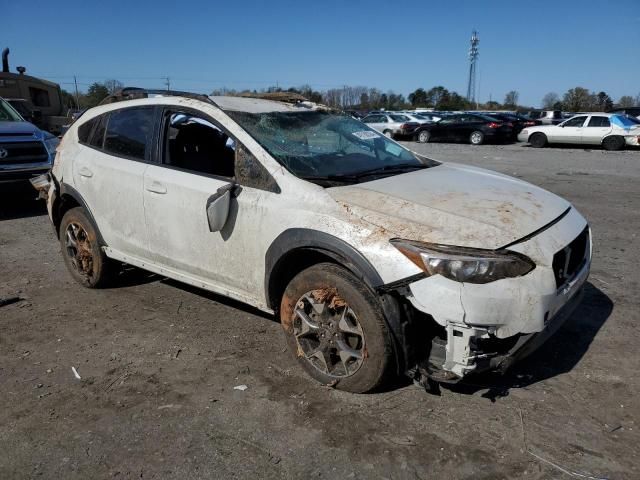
167	82
473	58
75	82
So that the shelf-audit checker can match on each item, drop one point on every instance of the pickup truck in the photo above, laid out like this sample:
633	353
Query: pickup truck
25	150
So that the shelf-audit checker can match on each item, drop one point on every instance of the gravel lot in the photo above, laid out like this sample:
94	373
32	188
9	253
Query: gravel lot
159	361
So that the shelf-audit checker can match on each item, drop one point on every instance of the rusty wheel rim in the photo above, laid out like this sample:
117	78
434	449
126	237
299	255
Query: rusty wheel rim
78	247
328	333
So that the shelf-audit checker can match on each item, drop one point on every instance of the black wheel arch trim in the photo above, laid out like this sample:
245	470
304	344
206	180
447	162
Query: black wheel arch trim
66	189
346	255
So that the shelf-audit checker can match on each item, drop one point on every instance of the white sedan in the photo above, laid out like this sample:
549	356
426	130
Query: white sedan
612	131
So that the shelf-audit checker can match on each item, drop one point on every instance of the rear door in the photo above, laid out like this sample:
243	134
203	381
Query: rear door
597	128
108	173
377	122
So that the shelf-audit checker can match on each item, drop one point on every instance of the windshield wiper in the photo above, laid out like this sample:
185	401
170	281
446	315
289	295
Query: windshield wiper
401	168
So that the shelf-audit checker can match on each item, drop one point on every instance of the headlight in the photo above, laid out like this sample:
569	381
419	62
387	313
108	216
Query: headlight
51	143
468	265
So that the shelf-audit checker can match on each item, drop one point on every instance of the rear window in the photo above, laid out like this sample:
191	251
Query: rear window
129	132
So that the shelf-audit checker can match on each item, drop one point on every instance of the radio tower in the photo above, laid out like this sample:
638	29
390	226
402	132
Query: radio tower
473	58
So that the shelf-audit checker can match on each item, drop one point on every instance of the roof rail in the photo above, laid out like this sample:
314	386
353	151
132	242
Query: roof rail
131	93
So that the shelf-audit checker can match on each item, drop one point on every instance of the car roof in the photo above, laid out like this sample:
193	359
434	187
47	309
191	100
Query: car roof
258	105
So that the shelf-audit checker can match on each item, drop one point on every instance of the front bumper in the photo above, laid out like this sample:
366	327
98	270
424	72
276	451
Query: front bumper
22	172
489	326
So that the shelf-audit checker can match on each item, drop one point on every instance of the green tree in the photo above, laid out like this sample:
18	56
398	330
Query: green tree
95	94
578	99
604	102
436	95
418	98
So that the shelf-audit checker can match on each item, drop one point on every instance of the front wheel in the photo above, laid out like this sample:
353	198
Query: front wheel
424	136
335	327
388	133
476	138
538	140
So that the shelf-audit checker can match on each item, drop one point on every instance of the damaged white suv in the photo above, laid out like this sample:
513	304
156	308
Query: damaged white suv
377	261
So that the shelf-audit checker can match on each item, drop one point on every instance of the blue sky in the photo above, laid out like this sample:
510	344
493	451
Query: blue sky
533	47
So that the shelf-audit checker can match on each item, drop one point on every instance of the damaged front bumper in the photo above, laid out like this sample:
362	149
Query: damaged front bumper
490	326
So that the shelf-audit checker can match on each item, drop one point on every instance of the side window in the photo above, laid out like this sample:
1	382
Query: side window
84	130
195	144
575	122
129	132
97	138
599	122
39	97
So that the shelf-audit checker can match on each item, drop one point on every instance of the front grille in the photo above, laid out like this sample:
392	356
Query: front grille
23	152
568	261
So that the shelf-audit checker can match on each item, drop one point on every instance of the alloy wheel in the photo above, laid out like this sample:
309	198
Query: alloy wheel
328	333
78	248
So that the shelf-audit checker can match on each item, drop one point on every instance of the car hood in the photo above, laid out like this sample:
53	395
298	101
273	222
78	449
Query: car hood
452	204
18	128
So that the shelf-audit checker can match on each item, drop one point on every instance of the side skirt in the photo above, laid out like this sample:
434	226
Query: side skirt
184	278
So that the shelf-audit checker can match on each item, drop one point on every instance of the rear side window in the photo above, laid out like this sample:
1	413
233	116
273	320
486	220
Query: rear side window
97	138
84	130
129	132
599	122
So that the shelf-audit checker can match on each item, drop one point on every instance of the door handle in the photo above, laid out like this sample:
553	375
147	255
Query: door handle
156	187
85	172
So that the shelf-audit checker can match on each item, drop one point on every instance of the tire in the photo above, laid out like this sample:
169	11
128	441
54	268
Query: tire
613	143
476	138
341	312
538	140
424	136
388	133
81	251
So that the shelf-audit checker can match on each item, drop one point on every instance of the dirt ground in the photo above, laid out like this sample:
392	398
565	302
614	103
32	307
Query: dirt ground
158	362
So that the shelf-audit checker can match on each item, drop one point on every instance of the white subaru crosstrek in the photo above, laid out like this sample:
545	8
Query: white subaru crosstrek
377	261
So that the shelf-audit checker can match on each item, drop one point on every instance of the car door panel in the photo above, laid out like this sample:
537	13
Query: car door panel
596	129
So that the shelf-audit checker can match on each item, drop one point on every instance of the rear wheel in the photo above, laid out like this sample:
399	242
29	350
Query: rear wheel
613	143
336	329
81	251
424	136
388	133
538	140
476	138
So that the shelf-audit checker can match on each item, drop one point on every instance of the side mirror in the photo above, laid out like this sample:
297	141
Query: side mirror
218	207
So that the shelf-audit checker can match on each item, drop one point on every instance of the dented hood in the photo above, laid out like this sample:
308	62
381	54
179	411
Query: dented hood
452	204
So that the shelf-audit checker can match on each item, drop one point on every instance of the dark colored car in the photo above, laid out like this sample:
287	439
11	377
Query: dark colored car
518	122
466	127
25	150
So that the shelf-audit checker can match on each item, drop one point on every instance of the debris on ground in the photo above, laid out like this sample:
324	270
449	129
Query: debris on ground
242	388
9	301
75	373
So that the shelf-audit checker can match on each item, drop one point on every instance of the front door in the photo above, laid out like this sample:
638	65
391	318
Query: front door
571	130
197	158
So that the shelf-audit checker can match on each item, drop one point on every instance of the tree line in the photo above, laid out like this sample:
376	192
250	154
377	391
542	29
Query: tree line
370	98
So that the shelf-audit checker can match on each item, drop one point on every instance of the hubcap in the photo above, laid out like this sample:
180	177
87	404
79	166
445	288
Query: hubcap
476	137
328	333
424	137
79	249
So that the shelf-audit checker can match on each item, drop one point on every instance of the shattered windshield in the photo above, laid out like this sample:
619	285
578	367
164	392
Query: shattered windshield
327	148
8	114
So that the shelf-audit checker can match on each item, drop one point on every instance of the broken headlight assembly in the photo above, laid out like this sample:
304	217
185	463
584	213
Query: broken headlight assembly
468	265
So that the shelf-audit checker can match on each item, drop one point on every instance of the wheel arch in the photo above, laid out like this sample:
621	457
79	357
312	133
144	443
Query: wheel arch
67	199
298	248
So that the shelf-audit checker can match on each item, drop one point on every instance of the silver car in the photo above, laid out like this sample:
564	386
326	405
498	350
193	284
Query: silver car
392	124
